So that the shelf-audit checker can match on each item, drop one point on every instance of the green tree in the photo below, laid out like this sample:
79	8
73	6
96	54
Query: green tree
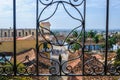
75	34
91	34
118	37
118	55
68	40
96	39
102	46
111	40
81	36
75	46
117	59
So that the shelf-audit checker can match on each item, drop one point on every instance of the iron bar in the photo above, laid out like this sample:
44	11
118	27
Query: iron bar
107	29
60	60
83	38
14	26
37	48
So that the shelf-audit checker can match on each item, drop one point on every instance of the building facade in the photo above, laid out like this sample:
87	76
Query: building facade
19	32
25	32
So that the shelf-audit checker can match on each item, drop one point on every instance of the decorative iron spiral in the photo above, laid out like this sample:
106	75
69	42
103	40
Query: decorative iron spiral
76	2
46	2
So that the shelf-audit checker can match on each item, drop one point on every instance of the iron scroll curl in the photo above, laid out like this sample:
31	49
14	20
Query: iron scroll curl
48	4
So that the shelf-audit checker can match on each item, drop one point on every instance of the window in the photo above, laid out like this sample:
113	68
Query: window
19	34
5	34
12	34
33	33
26	34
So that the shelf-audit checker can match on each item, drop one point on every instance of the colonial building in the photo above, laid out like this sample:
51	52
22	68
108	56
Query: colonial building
7	34
24	32
19	32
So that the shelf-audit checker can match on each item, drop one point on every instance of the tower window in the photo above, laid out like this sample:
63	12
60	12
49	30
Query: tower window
5	34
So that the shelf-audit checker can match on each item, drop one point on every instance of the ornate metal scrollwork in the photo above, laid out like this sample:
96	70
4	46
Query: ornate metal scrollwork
6	67
60	67
67	61
113	69
94	67
76	2
46	2
26	67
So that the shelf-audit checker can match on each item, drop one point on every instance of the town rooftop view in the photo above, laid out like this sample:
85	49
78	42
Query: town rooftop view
59	40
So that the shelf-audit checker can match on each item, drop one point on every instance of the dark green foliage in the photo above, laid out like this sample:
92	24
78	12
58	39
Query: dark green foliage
117	59
112	40
75	46
14	78
91	34
96	39
4	78
117	63
75	33
68	40
118	55
20	70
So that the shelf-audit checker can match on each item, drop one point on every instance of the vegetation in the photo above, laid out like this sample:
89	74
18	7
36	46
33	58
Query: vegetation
112	40
20	70
91	34
117	59
14	78
96	39
102	46
118	55
68	40
75	33
75	46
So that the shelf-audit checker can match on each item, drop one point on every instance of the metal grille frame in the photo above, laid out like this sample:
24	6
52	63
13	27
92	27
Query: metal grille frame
12	71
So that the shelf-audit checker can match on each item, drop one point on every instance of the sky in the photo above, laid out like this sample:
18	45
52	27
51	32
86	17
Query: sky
26	14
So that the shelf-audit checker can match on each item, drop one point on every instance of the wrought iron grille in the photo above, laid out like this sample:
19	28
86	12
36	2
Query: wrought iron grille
58	66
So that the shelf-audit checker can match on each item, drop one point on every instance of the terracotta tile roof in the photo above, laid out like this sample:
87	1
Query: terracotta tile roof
22	56
75	78
98	56
76	64
30	54
44	64
29	37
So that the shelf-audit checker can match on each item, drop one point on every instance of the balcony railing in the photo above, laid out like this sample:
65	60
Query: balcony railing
55	52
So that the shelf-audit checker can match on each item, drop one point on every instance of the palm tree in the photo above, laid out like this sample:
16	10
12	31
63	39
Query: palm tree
96	40
75	34
118	37
118	55
91	35
112	40
117	59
